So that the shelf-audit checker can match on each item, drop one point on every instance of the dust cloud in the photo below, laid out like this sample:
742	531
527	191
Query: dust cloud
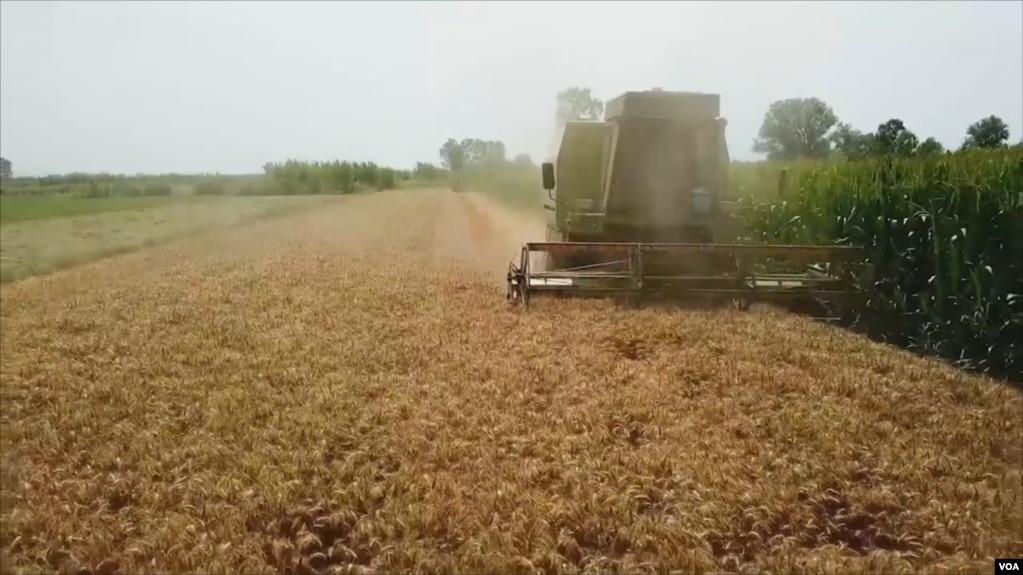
555	142
482	234
511	227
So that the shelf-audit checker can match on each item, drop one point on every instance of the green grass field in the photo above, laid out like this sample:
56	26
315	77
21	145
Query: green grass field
46	236
25	208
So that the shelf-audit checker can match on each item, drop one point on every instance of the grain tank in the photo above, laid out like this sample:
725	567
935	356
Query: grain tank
654	170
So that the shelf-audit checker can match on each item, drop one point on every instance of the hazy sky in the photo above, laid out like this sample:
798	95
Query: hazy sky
211	86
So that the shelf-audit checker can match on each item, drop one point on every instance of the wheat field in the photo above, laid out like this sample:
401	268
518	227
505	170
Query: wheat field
346	390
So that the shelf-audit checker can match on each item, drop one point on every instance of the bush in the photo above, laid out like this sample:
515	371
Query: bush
157	190
209	188
336	177
266	187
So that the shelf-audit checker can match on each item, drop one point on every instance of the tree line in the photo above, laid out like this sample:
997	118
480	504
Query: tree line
486	160
298	177
475	161
474	153
809	128
792	128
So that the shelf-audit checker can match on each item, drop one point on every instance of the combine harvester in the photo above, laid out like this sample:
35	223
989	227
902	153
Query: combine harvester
641	209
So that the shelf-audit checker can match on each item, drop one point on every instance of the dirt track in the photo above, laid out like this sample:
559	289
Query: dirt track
347	388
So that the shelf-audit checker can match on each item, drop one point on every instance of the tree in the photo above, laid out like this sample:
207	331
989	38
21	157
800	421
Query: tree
495	156
930	146
850	142
892	137
577	104
475	151
990	132
426	172
452	155
496	153
6	170
796	128
524	161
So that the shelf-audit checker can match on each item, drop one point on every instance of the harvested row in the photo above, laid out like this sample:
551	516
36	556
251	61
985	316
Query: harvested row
348	390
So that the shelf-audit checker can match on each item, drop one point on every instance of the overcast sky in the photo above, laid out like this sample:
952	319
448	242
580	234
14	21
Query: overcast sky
209	86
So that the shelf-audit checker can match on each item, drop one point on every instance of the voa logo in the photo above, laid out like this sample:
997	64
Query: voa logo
1009	565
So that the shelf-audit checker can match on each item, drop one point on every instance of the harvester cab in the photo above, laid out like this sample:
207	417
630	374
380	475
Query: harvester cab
638	204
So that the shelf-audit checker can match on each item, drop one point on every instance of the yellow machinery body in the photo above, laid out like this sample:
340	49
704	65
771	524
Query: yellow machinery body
638	204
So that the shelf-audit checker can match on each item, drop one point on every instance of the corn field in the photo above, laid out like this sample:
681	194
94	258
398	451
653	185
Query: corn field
945	237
